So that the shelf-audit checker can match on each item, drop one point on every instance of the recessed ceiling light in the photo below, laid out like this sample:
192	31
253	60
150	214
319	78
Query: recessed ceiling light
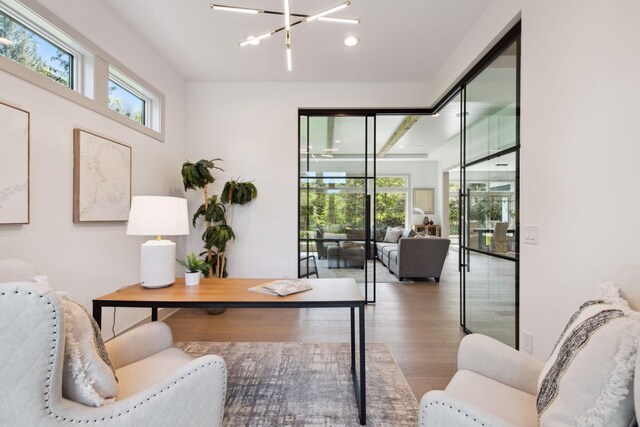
435	115
5	42
401	146
466	113
337	141
351	41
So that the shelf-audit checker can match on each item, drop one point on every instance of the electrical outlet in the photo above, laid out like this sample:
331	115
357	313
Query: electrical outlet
527	341
530	234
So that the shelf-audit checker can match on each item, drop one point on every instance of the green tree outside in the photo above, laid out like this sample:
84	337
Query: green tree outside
23	47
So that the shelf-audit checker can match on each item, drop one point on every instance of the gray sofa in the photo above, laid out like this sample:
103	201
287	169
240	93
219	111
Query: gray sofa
414	256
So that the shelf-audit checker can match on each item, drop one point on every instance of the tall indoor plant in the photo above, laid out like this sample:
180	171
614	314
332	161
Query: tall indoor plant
217	212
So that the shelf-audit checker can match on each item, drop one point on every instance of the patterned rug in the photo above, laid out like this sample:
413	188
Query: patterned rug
308	384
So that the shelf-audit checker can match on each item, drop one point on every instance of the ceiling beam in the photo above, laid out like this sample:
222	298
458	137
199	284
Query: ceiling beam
403	128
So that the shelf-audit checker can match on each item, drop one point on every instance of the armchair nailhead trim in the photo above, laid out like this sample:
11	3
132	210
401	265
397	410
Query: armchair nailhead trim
424	410
52	365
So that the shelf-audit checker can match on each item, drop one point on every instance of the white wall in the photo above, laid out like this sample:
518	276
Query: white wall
88	260
253	127
579	152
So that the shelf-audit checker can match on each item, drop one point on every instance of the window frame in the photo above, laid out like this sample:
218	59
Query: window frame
405	190
133	88
48	35
91	70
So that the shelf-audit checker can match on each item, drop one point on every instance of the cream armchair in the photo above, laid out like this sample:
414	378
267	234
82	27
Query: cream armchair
159	385
496	385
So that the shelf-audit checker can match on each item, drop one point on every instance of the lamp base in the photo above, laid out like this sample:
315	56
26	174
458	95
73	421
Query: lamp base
157	263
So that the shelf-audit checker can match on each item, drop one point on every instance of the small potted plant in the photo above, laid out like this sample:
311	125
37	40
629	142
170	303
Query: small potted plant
195	267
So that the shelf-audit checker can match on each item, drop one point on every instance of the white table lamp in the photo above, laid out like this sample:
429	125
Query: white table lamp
158	216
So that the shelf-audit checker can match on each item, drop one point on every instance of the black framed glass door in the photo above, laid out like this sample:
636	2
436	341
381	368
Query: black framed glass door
336	187
489	198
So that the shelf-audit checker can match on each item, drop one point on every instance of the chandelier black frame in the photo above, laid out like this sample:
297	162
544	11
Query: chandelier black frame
321	16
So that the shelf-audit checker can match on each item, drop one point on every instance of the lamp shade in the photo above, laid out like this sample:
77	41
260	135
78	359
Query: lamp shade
157	216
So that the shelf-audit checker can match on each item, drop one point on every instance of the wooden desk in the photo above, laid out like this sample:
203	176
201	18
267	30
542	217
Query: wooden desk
233	293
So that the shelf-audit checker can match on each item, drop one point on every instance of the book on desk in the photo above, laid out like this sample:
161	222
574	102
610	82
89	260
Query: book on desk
282	288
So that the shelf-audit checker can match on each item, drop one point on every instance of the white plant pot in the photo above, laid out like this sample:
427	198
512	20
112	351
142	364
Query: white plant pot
192	279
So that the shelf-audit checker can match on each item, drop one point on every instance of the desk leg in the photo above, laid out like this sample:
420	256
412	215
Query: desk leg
353	340
97	313
363	379
154	314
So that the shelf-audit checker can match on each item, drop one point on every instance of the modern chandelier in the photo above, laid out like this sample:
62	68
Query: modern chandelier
321	16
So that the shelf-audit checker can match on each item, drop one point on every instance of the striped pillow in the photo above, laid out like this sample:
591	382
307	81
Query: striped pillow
589	376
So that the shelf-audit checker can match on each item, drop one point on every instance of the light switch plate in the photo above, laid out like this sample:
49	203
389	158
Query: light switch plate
530	234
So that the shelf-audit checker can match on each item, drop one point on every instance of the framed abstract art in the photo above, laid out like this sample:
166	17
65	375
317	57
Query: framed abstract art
14	165
101	178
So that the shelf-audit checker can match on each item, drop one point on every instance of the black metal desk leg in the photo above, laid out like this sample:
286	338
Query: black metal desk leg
97	313
363	375
353	339
154	314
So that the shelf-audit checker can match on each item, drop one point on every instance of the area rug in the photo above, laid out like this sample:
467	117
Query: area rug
308	384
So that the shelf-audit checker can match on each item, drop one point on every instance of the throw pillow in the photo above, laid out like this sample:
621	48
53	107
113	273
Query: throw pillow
15	270
88	376
408	232
392	235
588	378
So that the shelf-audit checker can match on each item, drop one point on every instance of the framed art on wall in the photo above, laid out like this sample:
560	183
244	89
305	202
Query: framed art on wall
14	165
423	198
101	178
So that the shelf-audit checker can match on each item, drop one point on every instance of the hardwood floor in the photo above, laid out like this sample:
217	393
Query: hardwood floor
419	322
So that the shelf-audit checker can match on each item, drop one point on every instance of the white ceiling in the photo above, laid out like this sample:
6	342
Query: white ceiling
400	40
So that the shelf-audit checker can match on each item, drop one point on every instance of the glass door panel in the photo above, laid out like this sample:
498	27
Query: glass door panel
490	210
490	107
490	187
333	202
490	306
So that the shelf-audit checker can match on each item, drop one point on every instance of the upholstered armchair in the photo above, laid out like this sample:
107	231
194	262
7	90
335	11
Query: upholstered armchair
496	385
158	384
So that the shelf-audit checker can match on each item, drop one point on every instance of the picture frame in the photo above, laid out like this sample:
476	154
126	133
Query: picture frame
101	178
424	198
15	160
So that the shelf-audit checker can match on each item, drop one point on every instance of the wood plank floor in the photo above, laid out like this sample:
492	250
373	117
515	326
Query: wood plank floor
419	322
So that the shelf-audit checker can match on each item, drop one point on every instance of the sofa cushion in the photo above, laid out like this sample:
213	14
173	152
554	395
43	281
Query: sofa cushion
387	249
381	245
393	235
588	378
88	376
146	372
335	236
512	405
